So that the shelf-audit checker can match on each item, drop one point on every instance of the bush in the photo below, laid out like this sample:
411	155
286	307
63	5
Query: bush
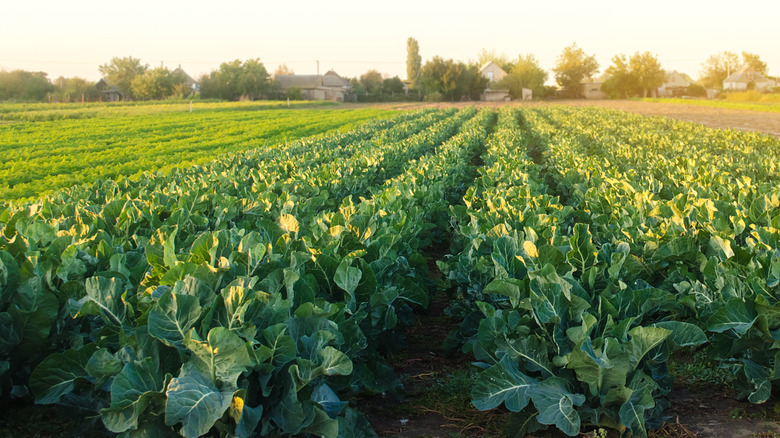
696	90
294	93
434	97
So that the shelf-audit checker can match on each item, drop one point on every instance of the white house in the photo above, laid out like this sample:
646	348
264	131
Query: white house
742	79
675	84
493	73
329	86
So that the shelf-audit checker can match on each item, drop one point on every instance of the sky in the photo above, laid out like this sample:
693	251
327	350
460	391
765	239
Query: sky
73	38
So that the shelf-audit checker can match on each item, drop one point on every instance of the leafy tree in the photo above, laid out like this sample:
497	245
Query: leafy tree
283	70
572	67
717	68
484	56
754	61
155	84
236	80
372	82
392	86
525	73
71	89
638	75
620	82
120	72
413	62
24	85
647	71
450	80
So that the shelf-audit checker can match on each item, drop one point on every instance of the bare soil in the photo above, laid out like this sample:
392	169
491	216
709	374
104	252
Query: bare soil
720	118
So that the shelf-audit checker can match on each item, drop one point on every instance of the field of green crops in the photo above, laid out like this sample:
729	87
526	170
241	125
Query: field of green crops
48	147
262	292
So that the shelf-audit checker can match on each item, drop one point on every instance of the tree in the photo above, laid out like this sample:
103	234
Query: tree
24	85
448	80
72	89
717	68
392	86
572	67
620	81
647	71
484	56
120	72
155	84
753	61
372	82
413	62
525	73
283	70
236	80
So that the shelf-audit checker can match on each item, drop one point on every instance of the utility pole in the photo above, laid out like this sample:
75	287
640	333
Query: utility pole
318	67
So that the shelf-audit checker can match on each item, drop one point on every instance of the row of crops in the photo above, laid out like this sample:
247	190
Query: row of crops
43	156
259	293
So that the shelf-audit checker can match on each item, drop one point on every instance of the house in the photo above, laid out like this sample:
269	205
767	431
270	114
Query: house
592	90
747	78
675	84
329	86
191	83
110	92
494	73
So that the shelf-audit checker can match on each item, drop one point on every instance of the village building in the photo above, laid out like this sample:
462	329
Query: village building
747	78
191	83
110	92
675	84
592	90
494	73
329	86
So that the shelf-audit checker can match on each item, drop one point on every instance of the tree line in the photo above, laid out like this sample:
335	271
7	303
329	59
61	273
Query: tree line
438	79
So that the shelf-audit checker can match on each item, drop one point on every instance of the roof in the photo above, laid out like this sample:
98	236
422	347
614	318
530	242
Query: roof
299	81
746	74
487	64
187	78
332	79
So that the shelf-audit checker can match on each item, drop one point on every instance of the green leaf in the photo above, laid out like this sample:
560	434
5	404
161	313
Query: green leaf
348	277
223	356
684	334
131	392
583	253
736	316
169	249
103	364
328	400
289	223
172	317
105	296
503	383
59	373
556	405
334	362
644	339
194	400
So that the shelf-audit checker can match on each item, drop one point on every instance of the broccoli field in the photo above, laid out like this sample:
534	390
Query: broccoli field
227	290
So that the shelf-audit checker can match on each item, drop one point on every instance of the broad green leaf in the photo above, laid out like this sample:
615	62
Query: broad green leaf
684	334
736	316
223	356
347	277
583	253
172	317
289	223
556	405
644	339
58	374
503	383
131	392
194	400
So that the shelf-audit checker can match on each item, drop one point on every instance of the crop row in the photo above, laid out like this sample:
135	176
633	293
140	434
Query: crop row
45	156
217	298
590	249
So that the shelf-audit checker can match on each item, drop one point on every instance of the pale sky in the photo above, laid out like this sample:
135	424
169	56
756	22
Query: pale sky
72	38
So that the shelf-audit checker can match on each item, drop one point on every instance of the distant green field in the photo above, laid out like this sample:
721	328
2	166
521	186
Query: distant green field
51	146
767	107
